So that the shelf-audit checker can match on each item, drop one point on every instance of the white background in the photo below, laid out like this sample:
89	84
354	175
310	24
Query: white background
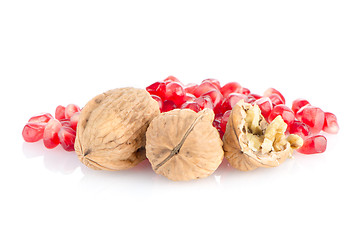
60	52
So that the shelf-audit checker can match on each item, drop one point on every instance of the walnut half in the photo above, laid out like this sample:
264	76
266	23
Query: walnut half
250	142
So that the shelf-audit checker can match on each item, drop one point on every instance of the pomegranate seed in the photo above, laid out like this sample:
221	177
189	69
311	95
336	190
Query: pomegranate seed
245	91
231	87
271	91
190	88
189	97
298	104
50	137
168	105
159	101
265	106
191	105
60	112
215	96
276	99
255	96
175	92
33	131
204	88
70	109
158	89
313	144
299	128
204	102
171	79
330	123
74	121
65	123
224	120
215	82
232	99
285	112
41	118
66	138
312	116
217	122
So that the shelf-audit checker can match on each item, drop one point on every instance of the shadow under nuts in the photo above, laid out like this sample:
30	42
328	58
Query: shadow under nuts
183	145
111	132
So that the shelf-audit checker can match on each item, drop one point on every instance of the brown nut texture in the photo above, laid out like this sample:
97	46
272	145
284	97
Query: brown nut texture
183	145
111	132
250	142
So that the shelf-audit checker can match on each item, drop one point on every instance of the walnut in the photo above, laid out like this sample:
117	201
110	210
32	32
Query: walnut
183	145
111	132
250	142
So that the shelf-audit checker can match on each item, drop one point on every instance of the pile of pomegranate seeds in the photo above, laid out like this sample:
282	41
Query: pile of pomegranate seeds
54	131
302	119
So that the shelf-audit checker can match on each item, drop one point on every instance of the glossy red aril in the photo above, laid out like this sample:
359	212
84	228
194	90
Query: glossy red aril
74	121
65	122
66	138
190	88
265	106
158	89
215	82
271	91
312	116
33	131
50	137
175	92
231	87
168	105
313	144
70	109
41	118
170	79
245	91
232	99
224	120
330	123
215	96
191	105
189	97
158	100
204	88
299	128
276	99
204	102
60	112
285	112
298	104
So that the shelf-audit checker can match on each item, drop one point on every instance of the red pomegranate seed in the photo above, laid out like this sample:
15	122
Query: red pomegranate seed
158	89
204	102
66	138
204	88
265	106
215	82
224	120
41	118
191	105
190	88
299	128
231	87
65	123
33	131
50	137
232	99
215	96
74	121
285	112
255	96
298	104
168	105
175	92
330	123
313	144
70	109
276	99
189	97
271	91
159	101
60	112
245	91
313	117
171	79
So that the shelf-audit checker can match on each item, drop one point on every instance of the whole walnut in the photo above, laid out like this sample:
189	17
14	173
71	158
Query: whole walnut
111	132
183	145
250	142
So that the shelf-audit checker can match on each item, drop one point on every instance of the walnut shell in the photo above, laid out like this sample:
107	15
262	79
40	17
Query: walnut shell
237	150
111	132
183	145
